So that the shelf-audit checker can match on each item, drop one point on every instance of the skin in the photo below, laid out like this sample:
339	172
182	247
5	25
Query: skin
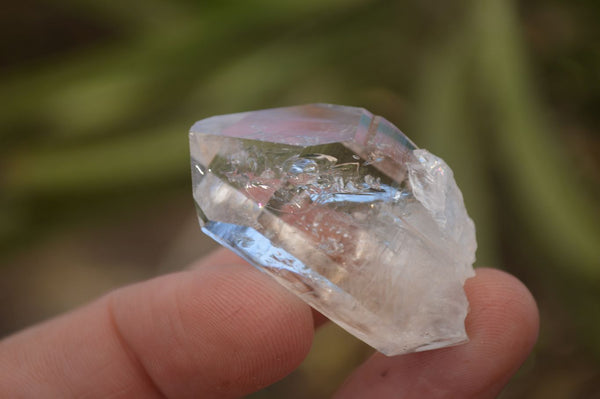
223	329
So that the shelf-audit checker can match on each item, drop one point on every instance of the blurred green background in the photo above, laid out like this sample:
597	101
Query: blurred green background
96	99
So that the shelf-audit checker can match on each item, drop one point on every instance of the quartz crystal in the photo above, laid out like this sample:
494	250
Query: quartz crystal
340	207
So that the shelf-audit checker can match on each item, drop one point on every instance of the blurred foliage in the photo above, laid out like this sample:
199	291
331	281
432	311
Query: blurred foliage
96	98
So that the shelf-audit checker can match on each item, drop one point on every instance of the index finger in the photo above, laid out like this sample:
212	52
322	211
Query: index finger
221	330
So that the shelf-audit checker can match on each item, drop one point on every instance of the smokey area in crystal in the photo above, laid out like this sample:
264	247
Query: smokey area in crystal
340	207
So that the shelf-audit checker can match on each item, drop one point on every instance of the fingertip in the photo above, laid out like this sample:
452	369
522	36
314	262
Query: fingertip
318	318
502	309
502	326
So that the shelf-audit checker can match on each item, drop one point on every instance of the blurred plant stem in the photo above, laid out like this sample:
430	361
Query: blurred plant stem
557	210
486	58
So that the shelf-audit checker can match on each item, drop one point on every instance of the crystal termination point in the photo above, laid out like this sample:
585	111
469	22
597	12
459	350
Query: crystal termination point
340	207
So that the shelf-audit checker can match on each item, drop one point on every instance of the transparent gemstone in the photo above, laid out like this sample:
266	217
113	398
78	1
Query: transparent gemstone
343	209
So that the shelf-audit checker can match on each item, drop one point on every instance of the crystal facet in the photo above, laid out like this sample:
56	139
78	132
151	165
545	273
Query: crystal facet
340	207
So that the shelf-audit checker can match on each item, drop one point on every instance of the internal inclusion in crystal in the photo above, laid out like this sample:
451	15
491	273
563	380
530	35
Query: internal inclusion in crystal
342	209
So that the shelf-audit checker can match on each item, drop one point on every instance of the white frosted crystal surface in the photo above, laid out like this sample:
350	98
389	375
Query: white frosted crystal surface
345	211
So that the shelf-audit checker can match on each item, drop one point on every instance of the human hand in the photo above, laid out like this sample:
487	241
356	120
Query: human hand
223	330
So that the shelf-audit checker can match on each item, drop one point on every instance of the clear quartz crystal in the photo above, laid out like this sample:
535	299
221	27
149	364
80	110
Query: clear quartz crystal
340	207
